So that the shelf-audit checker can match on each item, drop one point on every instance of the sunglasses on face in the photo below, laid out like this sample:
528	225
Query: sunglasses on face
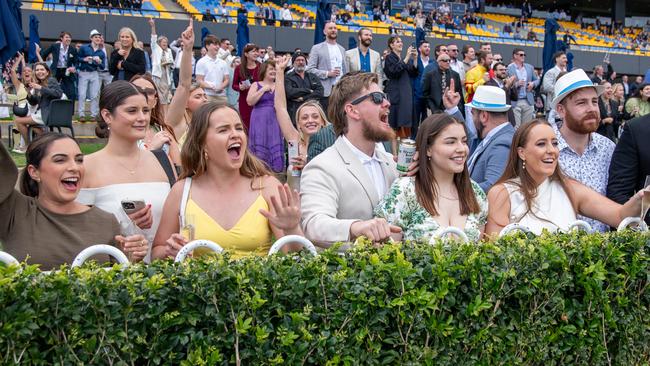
498	59
445	60
375	97
521	54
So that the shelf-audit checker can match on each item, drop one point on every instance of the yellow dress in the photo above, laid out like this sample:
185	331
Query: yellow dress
250	235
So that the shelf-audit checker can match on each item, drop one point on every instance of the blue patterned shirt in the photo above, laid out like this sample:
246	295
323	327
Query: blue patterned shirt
591	168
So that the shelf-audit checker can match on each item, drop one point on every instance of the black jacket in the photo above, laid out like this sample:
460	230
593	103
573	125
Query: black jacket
631	161
296	94
511	95
432	89
54	50
609	130
135	64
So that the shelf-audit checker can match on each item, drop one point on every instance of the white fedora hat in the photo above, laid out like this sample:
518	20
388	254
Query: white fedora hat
572	81
489	98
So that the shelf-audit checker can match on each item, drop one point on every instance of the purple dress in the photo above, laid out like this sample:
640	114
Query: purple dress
265	138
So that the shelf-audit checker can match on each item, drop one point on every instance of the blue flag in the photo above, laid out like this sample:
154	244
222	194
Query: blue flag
352	43
551	27
242	32
323	15
204	33
12	39
34	39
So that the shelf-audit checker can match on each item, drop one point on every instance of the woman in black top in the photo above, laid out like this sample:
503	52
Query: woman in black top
42	90
128	60
399	73
610	116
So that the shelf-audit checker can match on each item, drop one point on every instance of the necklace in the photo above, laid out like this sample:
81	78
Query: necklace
131	171
451	199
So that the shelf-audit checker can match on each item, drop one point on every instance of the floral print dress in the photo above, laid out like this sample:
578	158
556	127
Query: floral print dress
400	207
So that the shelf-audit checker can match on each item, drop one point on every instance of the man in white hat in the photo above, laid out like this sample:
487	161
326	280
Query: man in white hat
584	154
490	117
91	59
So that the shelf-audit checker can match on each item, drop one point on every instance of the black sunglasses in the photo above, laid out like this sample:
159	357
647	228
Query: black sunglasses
376	97
521	54
445	60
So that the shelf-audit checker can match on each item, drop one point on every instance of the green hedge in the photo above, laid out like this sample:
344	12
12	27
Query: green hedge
554	300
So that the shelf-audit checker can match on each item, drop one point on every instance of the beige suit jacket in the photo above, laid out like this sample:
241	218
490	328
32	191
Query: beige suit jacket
353	63
336	190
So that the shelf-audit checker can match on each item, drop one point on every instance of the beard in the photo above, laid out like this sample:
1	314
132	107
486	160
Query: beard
299	69
375	133
331	36
366	42
579	125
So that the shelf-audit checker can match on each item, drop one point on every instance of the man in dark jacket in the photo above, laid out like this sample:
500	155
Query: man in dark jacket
630	165
300	85
64	59
501	80
436	81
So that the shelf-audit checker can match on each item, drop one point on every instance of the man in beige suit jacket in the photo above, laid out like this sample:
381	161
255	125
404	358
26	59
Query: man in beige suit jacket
372	60
341	186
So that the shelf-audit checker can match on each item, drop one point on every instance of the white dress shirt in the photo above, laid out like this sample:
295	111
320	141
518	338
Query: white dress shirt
372	165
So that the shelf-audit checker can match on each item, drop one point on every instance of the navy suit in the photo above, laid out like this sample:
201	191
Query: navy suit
489	160
68	83
419	104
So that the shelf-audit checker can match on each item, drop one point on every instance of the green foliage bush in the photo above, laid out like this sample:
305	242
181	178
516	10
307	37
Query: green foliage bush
568	299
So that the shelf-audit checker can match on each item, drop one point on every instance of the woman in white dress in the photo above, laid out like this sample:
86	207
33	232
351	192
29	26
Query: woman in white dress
534	192
121	170
441	194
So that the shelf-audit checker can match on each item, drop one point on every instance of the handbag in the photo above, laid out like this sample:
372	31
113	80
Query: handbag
20	111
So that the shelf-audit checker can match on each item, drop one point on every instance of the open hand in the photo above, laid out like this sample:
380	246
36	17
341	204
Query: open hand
281	63
285	209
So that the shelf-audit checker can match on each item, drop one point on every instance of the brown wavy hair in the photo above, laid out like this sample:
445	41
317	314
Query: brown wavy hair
112	96
36	152
193	152
426	186
515	169
158	113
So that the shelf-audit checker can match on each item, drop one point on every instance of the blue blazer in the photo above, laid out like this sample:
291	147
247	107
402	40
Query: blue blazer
530	76
417	81
491	159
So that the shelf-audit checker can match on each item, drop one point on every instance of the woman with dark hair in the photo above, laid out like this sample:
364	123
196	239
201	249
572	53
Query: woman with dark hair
441	194
128	60
42	223
639	103
159	136
265	138
398	87
121	171
226	194
245	76
534	192
43	89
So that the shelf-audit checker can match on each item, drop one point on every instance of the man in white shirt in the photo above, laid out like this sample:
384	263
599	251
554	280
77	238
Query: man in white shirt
285	16
212	73
548	82
177	47
326	60
341	186
225	51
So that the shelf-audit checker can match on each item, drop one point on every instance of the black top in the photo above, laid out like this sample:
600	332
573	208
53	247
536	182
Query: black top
134	64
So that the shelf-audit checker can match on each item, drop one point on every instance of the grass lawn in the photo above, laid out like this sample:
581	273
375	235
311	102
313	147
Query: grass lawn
86	148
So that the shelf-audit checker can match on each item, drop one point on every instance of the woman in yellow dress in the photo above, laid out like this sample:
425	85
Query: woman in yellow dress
227	194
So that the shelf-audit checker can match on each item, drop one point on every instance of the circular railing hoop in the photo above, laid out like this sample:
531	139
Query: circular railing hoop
447	231
8	259
632	221
200	243
100	249
580	225
293	239
514	227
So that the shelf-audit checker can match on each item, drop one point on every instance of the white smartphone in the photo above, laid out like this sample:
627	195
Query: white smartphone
130	206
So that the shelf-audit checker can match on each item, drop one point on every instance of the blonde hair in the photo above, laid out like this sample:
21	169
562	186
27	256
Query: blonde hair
131	34
321	112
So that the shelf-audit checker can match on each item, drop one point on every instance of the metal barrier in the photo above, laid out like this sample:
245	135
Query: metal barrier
514	227
201	243
448	231
580	225
293	239
8	259
100	249
625	224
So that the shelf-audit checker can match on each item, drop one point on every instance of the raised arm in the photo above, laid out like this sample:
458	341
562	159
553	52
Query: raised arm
154	36
14	70
176	109
288	131
596	206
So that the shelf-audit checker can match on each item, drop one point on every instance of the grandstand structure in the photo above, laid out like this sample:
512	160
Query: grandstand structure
587	40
